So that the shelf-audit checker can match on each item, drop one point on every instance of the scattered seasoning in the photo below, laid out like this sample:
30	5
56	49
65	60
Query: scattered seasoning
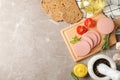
74	76
74	40
106	44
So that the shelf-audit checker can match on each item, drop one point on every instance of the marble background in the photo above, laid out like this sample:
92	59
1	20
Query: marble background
31	47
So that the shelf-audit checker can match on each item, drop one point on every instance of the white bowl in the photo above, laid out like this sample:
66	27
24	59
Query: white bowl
93	60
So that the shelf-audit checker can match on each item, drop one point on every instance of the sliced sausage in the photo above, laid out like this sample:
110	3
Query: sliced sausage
98	36
89	40
81	48
92	36
105	25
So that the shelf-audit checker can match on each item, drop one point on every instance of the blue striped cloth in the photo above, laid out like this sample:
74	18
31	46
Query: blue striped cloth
112	9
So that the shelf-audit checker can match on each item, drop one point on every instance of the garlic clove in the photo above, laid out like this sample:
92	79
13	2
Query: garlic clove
86	3
118	45
116	57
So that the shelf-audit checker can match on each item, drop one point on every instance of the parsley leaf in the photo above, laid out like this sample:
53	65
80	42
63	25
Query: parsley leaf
74	40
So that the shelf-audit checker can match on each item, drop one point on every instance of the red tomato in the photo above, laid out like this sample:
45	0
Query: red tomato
81	30
89	22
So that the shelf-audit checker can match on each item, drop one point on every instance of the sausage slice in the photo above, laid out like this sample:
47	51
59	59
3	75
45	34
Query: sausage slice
105	25
81	48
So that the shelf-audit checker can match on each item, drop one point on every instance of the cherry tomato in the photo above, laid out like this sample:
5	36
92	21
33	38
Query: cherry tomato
81	30
89	22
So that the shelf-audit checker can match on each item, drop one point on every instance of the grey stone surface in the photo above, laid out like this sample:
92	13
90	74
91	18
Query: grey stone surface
31	47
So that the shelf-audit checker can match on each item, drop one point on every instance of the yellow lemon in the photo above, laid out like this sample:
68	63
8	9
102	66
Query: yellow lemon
80	70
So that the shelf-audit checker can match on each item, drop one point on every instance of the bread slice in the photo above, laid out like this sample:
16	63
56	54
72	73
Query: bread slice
59	10
52	8
71	11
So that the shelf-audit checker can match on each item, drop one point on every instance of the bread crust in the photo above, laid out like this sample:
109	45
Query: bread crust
59	10
52	8
71	11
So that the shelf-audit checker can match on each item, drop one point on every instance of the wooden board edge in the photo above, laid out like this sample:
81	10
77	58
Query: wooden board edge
63	35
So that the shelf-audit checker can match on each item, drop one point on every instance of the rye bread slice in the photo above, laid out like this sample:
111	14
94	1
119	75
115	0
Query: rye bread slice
52	8
71	11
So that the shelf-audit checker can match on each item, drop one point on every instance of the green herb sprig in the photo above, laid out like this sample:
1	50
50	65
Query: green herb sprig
74	40
111	17
106	44
74	76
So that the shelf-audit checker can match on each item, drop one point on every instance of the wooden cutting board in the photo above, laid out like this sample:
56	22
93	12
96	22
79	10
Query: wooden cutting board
69	32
